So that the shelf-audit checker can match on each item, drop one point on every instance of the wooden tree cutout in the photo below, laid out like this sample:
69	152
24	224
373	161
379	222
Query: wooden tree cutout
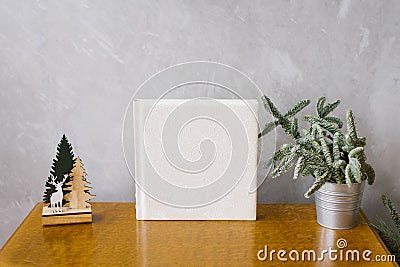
78	187
66	190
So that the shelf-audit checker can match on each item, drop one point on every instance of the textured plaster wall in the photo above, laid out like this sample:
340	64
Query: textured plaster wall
71	67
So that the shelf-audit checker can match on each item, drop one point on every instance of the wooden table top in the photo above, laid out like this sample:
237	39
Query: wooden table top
115	238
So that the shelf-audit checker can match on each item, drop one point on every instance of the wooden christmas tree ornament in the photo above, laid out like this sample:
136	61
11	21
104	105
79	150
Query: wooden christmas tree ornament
67	190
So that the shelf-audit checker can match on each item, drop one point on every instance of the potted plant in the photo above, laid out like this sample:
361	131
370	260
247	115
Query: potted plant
335	159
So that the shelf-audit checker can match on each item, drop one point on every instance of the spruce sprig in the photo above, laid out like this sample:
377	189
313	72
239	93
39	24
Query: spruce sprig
389	236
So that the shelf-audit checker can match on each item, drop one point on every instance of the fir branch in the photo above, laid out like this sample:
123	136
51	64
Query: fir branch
355	168
278	155
370	173
270	107
338	176
268	128
341	139
316	147
294	128
330	107
361	141
283	151
351	127
324	146
335	120
339	164
320	106
307	170
287	127
269	163
392	210
290	127
357	153
299	166
285	164
348	175
319	181
332	128
312	159
336	149
388	235
297	108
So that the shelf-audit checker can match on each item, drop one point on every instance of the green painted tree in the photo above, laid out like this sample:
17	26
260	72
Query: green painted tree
62	164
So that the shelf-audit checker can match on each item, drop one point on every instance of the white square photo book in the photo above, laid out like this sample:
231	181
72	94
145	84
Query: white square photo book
195	159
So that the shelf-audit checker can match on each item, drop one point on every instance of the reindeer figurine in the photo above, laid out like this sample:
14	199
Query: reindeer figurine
56	198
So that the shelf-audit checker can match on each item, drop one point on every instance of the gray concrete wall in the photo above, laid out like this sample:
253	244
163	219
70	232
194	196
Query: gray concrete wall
71	67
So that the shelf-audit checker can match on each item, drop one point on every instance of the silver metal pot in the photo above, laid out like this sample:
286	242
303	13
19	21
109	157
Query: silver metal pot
338	205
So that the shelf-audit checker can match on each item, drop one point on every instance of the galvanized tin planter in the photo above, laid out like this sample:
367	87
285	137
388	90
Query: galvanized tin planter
338	205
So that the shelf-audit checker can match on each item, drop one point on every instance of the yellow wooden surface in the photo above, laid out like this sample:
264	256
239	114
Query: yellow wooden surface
115	238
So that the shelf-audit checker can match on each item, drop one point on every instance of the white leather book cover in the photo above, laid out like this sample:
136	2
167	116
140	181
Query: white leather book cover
195	159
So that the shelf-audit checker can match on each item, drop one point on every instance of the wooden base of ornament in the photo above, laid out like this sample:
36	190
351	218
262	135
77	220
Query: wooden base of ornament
67	216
